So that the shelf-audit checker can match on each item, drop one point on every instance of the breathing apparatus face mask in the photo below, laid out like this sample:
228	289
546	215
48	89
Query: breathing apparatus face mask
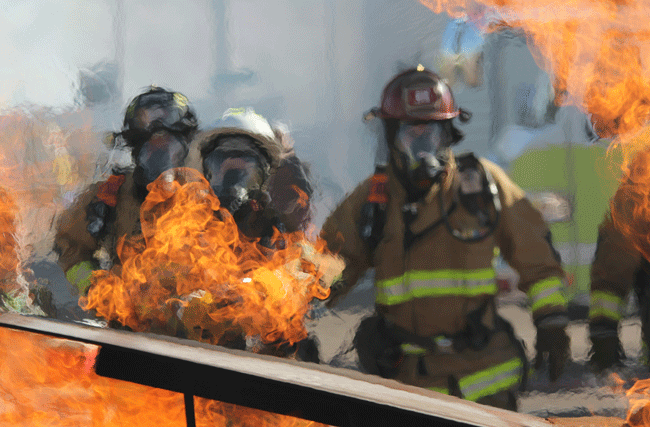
236	172
421	148
161	152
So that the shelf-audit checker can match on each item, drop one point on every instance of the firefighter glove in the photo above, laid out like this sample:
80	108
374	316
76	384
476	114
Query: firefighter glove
552	344
606	350
97	215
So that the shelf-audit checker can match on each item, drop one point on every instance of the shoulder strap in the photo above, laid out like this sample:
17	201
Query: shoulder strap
373	212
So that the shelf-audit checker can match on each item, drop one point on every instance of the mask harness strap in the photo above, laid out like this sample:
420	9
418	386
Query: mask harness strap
492	191
409	213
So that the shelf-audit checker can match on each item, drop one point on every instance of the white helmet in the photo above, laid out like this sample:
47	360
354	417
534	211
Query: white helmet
244	121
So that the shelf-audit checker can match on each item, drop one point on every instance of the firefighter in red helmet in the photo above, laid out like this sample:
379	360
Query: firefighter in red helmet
430	223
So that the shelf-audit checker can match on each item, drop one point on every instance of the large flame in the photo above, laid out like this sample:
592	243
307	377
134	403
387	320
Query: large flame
596	50
47	381
37	174
191	270
51	382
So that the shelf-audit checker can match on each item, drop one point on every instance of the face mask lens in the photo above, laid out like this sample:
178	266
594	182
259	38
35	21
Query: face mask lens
226	171
159	154
416	140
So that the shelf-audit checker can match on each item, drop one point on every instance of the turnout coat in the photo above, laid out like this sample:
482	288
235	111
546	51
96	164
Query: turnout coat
430	288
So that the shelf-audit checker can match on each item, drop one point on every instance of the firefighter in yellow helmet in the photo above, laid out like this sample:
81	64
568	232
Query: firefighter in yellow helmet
429	223
158	128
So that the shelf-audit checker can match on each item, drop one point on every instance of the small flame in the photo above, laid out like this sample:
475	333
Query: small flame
303	198
211	413
191	266
51	382
638	396
8	246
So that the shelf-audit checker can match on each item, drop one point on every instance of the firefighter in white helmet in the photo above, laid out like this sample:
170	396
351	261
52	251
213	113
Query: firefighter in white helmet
257	177
429	226
255	173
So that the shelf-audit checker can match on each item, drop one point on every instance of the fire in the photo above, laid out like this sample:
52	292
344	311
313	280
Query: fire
211	413
639	401
191	270
37	174
596	51
631	202
8	245
51	382
47	381
303	198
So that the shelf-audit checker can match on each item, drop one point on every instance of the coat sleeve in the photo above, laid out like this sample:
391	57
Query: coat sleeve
341	233
72	241
613	272
526	244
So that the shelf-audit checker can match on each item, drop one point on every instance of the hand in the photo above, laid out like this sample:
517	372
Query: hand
606	350
97	215
552	344
317	309
337	290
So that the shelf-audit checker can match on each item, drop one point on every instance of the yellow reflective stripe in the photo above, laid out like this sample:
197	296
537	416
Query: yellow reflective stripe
384	299
388	283
478	274
413	349
434	283
605	304
79	275
603	312
442	390
546	292
492	380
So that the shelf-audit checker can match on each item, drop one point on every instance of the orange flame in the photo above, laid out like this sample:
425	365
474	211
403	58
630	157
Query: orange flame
36	171
303	198
630	206
639	401
36	167
191	270
47	381
211	413
8	246
597	52
51	382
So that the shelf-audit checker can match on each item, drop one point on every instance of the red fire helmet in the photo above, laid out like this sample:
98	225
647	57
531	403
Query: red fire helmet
418	94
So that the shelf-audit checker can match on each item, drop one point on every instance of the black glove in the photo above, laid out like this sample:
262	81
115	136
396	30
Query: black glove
552	343
606	350
97	216
337	290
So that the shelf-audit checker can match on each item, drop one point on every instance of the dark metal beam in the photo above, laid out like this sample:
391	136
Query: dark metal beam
319	393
